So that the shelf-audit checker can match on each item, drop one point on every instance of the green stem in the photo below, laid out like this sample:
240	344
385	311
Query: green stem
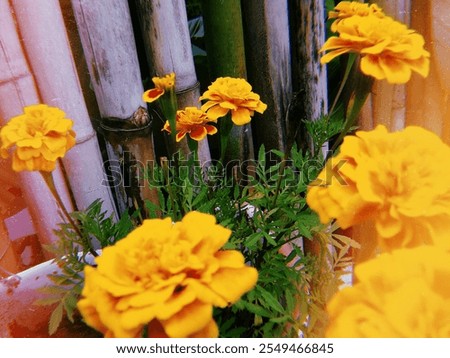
168	104
193	146
225	126
350	62
166	173
361	92
48	178
280	178
286	156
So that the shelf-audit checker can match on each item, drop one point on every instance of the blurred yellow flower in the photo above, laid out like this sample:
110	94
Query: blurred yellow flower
397	180
40	136
346	9
168	276
192	121
388	49
162	85
402	294
232	94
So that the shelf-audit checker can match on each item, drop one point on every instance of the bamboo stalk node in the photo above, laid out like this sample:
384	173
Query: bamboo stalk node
188	89
85	138
138	121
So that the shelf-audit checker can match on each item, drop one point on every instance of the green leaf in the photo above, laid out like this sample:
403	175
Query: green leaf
55	319
200	197
278	153
70	303
262	156
270	300
258	310
282	319
47	301
269	238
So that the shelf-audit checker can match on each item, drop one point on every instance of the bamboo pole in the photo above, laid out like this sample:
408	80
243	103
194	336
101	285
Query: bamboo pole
387	104
422	101
428	103
440	45
226	57
165	34
53	67
266	23
80	61
400	10
309	77
110	51
311	102
17	90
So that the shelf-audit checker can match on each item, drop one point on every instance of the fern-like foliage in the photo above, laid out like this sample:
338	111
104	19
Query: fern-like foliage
73	252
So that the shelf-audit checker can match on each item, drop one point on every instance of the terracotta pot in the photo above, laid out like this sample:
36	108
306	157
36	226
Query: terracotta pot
21	317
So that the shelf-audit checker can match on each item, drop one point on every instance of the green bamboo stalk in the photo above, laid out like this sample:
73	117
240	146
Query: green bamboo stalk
224	38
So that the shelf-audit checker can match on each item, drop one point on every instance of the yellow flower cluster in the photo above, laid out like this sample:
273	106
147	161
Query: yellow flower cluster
39	136
224	95
233	95
192	121
167	277
400	294
388	49
397	180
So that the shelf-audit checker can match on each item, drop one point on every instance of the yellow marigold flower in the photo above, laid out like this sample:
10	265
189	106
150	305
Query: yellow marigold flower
192	121
40	136
166	275
232	94
162	84
152	95
388	49
402	294
346	9
397	180
166	83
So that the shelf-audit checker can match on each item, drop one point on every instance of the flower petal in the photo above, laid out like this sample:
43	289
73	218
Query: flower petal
198	133
241	116
217	112
232	283
370	66
152	95
193	318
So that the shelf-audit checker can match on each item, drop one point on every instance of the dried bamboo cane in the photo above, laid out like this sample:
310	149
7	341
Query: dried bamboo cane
110	51
266	23
387	102
428	103
51	61
226	56
310	82
17	90
165	34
